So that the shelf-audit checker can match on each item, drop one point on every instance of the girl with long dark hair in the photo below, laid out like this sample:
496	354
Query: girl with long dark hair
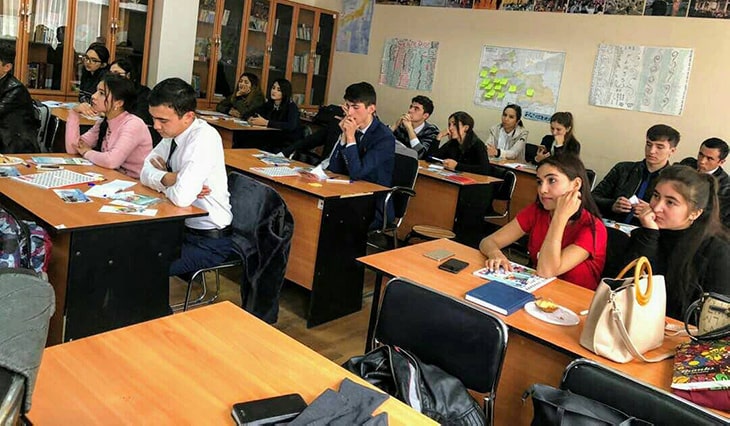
561	138
464	151
95	64
246	100
279	112
683	237
566	236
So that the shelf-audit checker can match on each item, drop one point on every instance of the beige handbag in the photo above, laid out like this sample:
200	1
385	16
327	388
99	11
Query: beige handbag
624	323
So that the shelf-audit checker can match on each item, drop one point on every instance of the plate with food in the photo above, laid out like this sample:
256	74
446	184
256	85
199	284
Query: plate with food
10	161
548	311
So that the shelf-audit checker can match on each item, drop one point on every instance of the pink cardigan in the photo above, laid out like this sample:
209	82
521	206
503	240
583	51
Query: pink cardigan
125	146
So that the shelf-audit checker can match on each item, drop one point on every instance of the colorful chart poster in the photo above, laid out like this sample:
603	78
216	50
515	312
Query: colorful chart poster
409	64
353	32
710	9
529	78
639	78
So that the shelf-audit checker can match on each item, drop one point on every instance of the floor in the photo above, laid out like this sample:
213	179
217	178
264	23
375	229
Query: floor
338	340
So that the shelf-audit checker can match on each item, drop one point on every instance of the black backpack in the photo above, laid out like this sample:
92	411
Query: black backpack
438	395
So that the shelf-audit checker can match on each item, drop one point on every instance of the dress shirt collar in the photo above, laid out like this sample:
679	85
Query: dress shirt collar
183	138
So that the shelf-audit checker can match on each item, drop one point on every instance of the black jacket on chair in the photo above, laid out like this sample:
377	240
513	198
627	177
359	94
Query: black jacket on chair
262	232
18	122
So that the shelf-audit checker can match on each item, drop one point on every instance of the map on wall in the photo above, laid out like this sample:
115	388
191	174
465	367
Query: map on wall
409	64
639	78
529	78
353	30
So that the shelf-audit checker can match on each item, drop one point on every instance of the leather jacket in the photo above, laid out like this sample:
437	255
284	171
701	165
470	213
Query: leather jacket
622	181
723	189
18	121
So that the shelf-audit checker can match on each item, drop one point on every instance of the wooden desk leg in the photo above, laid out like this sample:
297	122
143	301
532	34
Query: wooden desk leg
118	276
374	309
226	137
338	277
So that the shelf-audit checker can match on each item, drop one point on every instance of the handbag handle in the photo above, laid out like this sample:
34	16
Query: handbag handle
641	263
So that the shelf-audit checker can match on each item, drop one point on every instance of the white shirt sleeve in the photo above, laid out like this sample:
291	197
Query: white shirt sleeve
151	176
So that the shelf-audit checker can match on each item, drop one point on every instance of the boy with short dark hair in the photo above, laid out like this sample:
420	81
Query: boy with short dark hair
413	130
710	158
630	185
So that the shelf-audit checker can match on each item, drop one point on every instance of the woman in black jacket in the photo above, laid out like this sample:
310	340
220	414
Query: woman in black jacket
561	138
683	237
279	112
464	151
96	63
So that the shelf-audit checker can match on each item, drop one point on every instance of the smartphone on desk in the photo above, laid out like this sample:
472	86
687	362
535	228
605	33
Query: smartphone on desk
269	411
453	265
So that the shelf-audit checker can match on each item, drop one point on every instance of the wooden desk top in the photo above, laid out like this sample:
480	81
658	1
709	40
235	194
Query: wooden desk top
423	170
62	114
243	160
526	170
228	122
188	368
409	262
54	212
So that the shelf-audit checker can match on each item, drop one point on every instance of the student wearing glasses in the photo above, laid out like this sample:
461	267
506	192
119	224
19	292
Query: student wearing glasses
119	141
95	62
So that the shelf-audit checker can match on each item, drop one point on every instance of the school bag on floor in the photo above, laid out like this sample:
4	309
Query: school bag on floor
23	244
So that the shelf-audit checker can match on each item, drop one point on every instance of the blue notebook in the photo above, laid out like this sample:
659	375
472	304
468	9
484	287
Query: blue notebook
499	297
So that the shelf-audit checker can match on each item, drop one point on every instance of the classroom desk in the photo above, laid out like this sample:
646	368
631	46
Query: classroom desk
189	368
331	221
537	352
439	200
108	270
226	126
525	188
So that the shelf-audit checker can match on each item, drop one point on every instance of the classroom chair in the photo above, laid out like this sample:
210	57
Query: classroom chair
26	305
617	244
502	195
613	388
405	173
530	152
466	342
591	178
49	126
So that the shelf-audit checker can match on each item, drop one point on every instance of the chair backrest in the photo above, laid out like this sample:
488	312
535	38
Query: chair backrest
530	152
26	305
617	243
405	172
507	187
43	113
606	385
12	390
462	340
591	177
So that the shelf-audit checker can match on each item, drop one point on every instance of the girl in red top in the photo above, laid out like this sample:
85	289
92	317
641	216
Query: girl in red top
566	236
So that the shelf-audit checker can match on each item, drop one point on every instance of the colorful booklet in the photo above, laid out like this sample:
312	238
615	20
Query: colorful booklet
499	297
72	195
73	161
9	171
521	277
140	200
702	365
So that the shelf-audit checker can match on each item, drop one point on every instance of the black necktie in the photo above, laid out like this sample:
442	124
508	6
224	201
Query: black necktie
173	145
358	136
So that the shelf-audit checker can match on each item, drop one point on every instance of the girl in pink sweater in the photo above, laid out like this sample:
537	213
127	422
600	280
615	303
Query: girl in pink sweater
119	141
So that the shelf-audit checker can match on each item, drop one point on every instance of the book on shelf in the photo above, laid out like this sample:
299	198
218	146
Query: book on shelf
521	277
702	365
226	15
499	297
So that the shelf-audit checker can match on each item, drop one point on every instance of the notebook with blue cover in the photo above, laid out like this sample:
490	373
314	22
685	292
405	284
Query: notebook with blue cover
499	297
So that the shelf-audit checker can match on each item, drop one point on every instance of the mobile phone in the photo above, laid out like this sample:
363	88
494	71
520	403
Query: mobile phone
453	265
439	254
435	160
48	167
268	411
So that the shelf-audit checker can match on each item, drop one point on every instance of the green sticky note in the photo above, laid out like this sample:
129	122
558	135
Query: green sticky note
500	95
483	73
498	87
493	70
484	83
513	88
489	86
486	95
505	80
491	93
530	92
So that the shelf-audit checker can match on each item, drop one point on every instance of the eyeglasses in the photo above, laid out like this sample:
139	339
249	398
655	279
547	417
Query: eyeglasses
92	60
120	74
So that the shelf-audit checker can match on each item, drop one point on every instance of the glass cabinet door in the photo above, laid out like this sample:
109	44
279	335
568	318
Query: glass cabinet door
9	19
280	43
129	32
321	62
46	45
204	38
92	25
226	79
256	44
302	59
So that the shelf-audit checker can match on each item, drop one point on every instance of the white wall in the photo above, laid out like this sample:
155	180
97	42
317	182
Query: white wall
607	135
172	41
